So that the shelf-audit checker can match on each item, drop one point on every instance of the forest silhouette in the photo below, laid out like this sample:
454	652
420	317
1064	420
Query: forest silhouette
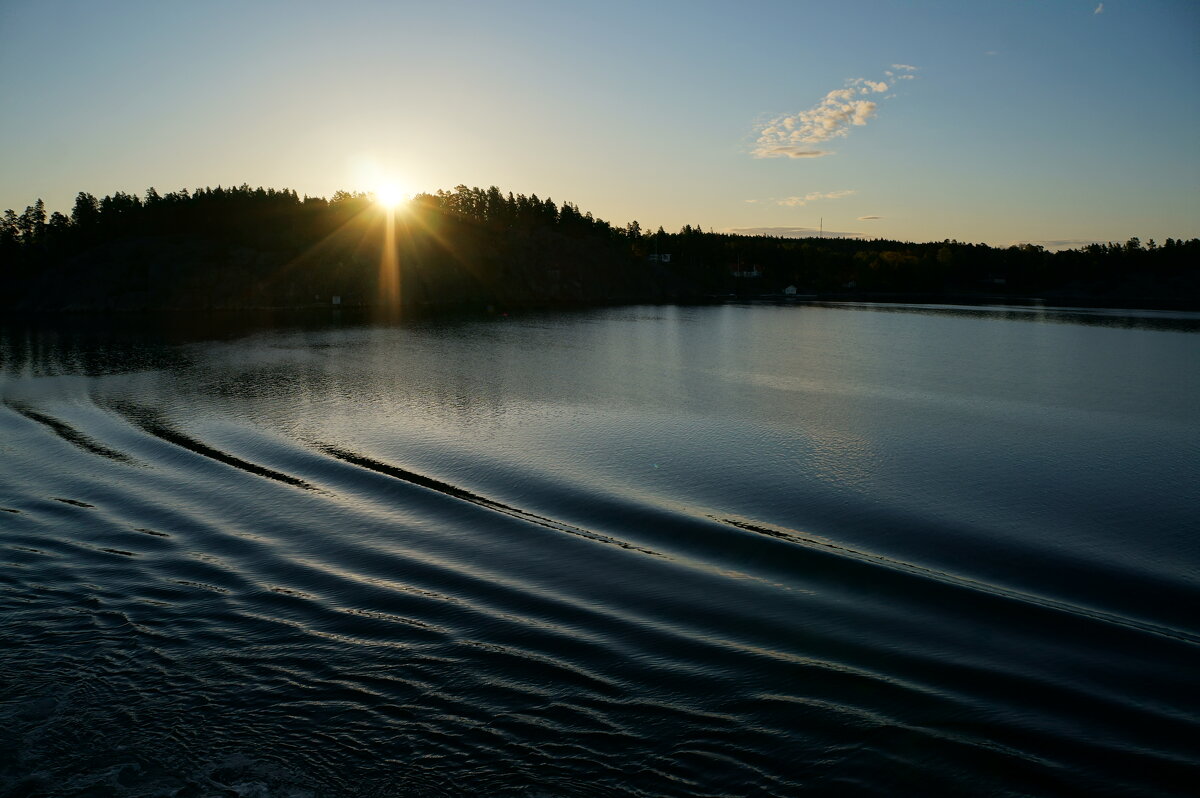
248	248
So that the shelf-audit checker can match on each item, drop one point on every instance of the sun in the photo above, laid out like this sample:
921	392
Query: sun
390	194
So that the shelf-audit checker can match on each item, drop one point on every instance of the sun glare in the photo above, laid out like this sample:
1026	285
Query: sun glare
389	195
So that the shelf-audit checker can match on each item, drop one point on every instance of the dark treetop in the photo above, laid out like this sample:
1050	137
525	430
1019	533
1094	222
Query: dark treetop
241	248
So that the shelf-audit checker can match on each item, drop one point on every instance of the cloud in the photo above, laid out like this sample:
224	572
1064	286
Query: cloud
833	117
1055	244
791	232
1099	9
786	151
908	68
795	202
868	86
867	218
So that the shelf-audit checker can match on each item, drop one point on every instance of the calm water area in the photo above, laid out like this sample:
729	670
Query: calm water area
737	550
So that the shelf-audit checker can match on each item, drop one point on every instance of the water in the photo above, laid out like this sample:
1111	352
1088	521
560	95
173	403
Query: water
656	551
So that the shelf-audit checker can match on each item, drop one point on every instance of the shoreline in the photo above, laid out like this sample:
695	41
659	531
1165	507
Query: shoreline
1048	300
447	310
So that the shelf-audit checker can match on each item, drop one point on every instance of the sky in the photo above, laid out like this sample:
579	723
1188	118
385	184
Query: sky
1053	122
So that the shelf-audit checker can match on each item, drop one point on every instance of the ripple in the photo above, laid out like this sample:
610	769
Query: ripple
460	493
413	561
73	436
152	423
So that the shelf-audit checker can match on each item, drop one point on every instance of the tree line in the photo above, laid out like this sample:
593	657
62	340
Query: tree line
243	247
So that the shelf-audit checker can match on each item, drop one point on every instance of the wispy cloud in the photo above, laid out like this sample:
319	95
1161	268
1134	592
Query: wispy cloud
795	202
833	117
1099	9
877	86
787	151
792	232
906	72
1057	243
867	218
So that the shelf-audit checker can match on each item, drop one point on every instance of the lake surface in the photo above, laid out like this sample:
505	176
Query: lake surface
654	551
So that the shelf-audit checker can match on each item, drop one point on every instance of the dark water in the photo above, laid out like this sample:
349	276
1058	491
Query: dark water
735	551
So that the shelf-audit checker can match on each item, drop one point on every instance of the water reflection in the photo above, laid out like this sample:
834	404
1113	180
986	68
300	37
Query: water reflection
93	346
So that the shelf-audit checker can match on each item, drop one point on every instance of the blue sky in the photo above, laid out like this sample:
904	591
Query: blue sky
1019	120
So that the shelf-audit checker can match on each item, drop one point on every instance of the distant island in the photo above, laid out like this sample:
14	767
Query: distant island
252	248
